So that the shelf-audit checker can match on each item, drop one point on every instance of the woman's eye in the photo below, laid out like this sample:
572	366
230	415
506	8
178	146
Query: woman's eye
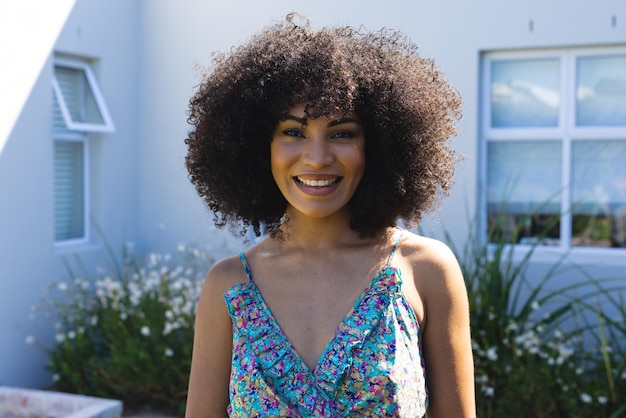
293	132
343	135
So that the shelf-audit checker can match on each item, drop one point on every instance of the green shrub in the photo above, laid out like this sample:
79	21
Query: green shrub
128	334
536	352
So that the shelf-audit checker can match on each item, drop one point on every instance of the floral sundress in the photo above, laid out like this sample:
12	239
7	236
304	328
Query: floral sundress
371	367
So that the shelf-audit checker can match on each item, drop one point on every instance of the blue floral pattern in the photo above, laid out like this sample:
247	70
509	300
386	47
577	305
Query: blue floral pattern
371	367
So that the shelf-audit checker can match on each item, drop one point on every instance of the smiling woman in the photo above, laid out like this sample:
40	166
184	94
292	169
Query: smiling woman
328	137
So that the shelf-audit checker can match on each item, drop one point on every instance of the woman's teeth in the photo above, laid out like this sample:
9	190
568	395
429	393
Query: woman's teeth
317	183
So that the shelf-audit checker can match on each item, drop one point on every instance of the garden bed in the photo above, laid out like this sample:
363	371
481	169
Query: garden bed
27	403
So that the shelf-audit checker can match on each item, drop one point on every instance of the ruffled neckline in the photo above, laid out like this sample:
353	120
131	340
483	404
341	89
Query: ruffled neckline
277	357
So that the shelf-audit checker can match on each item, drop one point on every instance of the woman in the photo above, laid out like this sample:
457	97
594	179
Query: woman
327	138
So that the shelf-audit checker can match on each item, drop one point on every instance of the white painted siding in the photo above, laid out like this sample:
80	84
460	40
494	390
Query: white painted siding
145	52
107	34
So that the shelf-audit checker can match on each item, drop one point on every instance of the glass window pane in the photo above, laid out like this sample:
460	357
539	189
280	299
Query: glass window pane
525	93
524	185
78	95
69	218
599	193
601	91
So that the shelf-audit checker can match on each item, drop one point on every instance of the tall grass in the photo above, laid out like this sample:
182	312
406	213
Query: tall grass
536	352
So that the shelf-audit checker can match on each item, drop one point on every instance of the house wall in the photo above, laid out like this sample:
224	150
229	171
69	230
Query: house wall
178	39
146	53
453	32
106	33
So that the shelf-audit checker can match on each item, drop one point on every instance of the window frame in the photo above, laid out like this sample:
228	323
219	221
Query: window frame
77	132
107	123
566	132
86	192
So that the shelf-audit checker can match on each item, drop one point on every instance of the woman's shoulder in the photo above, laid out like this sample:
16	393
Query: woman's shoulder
433	265
422	250
224	274
231	270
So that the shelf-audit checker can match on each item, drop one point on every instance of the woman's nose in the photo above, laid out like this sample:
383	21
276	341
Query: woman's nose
317	152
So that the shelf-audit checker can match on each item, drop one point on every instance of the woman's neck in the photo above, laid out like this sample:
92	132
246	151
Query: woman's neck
334	230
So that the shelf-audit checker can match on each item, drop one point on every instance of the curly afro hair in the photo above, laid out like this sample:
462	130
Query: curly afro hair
406	106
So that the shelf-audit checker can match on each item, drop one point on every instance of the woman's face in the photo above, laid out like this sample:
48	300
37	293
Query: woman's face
318	163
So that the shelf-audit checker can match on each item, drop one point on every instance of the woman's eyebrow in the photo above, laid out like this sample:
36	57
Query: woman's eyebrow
342	121
300	120
303	120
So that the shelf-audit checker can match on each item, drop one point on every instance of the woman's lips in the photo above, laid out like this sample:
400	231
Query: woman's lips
317	186
317	182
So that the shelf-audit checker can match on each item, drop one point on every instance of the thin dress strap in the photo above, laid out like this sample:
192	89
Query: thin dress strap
246	267
393	249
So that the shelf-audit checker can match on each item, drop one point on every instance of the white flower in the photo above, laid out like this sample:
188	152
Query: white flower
62	286
603	400
488	391
492	354
534	306
169	352
564	354
30	339
586	398
170	326
153	259
135	294
482	379
94	321
145	331
55	377
123	316
71	335
60	337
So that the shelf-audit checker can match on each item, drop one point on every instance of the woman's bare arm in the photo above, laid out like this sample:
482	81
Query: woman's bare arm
212	346
447	344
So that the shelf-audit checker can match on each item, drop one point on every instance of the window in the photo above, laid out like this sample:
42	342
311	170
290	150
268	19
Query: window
554	146
79	109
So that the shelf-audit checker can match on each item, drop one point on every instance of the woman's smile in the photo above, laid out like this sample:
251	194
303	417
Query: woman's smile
317	187
317	182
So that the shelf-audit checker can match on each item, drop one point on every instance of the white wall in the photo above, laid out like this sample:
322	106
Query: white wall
453	32
27	32
176	39
106	32
146	52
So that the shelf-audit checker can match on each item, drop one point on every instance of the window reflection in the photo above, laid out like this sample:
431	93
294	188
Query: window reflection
525	93
601	91
524	182
599	193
